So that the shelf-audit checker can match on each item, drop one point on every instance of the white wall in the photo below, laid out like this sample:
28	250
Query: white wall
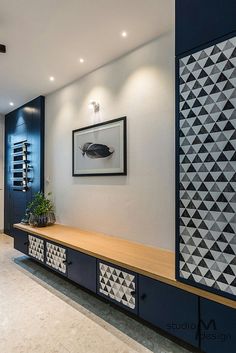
140	206
1	171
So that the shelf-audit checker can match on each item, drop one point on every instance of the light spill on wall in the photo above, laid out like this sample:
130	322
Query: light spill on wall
140	206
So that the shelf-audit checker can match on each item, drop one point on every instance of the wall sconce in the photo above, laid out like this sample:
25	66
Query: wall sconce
94	106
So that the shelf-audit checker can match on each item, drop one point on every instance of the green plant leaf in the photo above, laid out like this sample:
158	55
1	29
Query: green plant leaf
40	204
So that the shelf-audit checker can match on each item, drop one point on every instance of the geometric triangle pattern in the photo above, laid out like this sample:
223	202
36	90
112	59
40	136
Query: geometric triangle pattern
207	155
36	248
117	285
56	257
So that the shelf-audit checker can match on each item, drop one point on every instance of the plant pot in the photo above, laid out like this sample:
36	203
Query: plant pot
43	220
51	218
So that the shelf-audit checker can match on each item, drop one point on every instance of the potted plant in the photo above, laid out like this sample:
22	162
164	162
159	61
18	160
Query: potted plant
41	210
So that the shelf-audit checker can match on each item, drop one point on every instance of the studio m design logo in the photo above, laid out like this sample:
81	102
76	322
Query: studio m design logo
207	330
204	330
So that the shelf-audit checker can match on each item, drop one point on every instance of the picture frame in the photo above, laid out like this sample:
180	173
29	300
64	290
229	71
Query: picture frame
100	149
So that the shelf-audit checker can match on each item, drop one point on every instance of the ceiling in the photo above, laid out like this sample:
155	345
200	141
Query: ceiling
48	37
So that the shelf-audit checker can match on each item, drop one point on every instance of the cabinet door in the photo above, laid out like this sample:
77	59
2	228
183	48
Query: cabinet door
218	327
206	203
82	269
56	257
169	308
36	248
118	285
21	241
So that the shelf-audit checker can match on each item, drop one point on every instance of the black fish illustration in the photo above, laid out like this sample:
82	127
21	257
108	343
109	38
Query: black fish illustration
96	150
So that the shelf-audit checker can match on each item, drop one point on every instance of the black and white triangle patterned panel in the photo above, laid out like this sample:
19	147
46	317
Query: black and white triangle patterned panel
117	285
207	152
36	248
56	257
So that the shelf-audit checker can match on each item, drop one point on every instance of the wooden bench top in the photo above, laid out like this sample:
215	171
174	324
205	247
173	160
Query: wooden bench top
153	262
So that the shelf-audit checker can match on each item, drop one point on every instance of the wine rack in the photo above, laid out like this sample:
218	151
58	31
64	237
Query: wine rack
21	167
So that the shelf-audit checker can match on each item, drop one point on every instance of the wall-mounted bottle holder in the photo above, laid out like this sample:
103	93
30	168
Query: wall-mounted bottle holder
21	166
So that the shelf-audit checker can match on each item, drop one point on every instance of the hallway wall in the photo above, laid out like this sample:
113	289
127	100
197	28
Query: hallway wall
141	205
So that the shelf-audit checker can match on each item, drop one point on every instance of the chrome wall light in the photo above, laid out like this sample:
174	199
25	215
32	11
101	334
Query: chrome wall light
3	48
95	106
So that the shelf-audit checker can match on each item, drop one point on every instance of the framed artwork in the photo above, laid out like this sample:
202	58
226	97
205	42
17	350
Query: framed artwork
100	149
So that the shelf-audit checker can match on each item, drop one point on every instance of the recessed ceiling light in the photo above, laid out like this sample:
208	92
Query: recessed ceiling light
11	104
81	60
51	78
124	34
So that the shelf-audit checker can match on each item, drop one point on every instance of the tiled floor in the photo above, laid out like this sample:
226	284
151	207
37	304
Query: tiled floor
41	312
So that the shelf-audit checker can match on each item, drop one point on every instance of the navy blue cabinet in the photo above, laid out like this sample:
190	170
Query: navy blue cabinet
204	324
169	308
218	327
201	21
82	269
21	241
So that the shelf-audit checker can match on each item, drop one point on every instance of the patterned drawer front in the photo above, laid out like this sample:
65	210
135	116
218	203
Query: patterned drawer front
117	284
56	257
36	248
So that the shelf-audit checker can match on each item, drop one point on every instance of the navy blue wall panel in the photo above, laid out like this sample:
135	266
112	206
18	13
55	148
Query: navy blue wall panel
169	308
82	269
202	21
24	123
218	327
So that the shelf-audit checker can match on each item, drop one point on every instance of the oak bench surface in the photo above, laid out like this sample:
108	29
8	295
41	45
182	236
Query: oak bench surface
152	262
